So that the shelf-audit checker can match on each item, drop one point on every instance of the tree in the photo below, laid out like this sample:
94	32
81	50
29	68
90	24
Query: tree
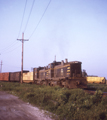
84	73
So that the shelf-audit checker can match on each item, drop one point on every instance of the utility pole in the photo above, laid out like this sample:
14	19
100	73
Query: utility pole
1	66
22	55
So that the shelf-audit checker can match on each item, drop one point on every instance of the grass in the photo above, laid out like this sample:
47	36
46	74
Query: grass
67	104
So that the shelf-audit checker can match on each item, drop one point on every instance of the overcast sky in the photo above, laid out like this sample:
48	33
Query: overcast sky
72	29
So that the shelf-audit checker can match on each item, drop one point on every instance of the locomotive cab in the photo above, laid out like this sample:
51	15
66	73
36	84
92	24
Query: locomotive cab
76	69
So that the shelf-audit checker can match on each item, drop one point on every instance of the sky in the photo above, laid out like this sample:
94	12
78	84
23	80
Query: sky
72	29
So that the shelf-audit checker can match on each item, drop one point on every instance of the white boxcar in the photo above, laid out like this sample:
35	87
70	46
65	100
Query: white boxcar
28	77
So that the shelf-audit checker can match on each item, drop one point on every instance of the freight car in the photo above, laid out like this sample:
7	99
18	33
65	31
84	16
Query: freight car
28	77
11	76
66	74
4	76
95	79
15	76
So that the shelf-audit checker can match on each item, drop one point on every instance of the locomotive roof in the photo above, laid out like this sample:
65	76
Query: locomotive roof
75	62
72	62
57	63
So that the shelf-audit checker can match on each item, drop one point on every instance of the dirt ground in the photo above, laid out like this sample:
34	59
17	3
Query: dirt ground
12	108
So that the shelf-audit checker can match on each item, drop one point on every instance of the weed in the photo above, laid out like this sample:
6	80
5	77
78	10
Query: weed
68	104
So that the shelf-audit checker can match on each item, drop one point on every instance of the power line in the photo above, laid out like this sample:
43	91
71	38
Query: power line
40	19
11	45
29	15
12	66
8	47
11	50
22	18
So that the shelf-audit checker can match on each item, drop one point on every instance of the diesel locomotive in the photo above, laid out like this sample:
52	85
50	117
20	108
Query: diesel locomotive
65	74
